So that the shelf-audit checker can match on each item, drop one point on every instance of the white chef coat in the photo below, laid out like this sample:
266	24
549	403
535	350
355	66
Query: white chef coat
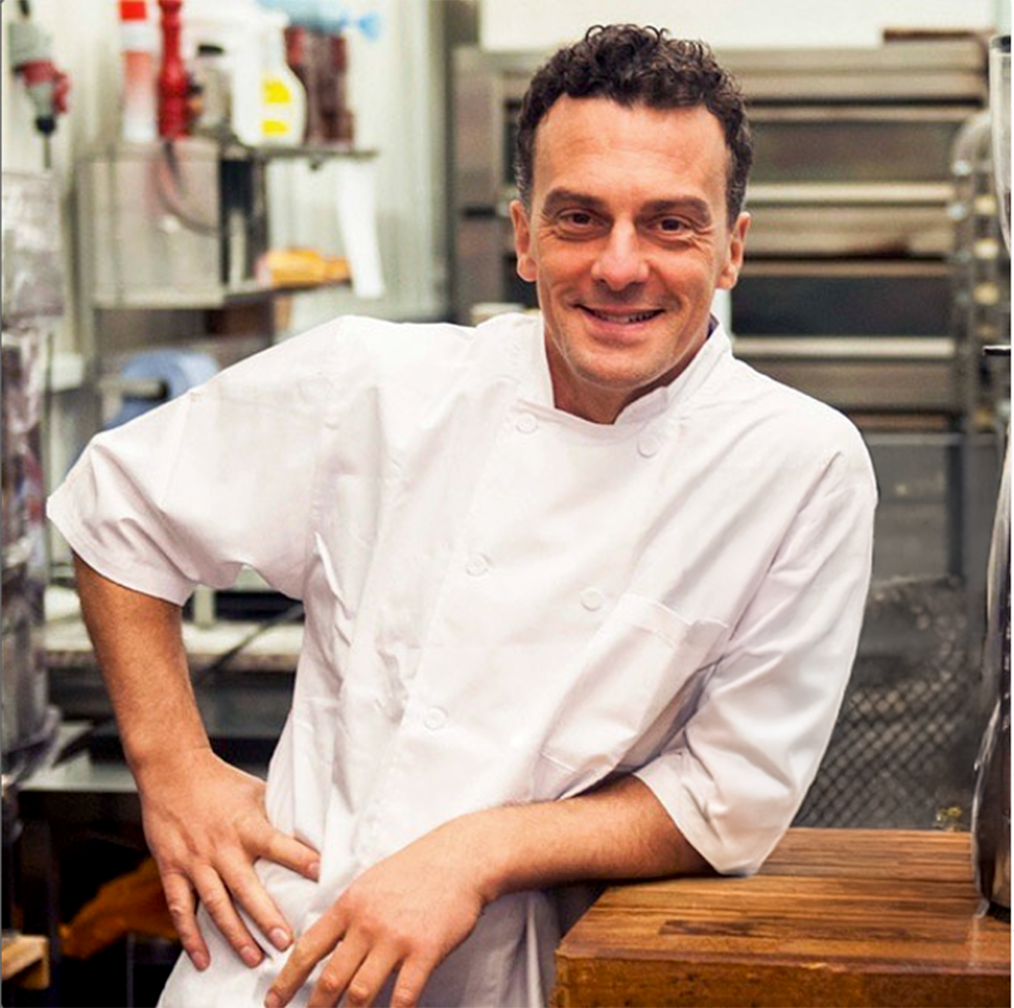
504	602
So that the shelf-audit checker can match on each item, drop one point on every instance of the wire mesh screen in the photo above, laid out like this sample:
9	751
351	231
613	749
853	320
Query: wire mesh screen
903	751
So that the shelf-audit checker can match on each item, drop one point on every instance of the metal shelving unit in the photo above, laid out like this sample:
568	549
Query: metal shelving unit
173	235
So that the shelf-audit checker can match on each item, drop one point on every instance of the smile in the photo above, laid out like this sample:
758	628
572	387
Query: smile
625	318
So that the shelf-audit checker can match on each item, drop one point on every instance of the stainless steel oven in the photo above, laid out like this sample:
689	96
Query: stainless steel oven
847	291
847	287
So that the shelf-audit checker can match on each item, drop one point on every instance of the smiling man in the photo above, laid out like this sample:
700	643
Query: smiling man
582	591
626	235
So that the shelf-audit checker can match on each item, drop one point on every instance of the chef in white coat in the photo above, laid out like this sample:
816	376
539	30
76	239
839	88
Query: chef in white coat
582	591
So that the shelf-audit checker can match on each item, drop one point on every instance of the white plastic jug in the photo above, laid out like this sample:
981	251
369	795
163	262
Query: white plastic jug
283	101
237	26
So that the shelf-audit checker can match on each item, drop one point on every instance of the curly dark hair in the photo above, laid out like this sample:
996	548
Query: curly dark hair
633	65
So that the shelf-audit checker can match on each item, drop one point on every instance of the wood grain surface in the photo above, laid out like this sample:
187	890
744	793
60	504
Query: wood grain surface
26	961
835	917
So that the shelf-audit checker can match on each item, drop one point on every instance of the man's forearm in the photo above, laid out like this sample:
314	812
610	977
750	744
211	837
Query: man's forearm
139	645
618	831
409	911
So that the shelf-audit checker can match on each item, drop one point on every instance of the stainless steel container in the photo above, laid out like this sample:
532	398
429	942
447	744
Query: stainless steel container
179	225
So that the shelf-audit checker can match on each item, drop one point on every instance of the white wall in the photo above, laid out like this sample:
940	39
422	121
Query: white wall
543	24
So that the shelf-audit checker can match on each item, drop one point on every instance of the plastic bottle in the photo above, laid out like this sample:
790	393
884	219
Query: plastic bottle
139	44
236	27
283	104
211	74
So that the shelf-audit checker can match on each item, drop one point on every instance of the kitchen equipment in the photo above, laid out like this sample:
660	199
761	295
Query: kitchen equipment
31	304
31	55
991	823
999	85
179	225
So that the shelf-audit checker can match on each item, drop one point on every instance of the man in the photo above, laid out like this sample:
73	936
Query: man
582	591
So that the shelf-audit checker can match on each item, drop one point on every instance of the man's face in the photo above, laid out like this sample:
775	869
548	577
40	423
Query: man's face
627	239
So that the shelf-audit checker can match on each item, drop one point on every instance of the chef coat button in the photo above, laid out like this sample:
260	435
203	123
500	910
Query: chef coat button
592	599
477	565
435	718
527	423
649	445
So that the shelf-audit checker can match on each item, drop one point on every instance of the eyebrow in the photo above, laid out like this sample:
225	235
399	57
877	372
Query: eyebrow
561	197
692	204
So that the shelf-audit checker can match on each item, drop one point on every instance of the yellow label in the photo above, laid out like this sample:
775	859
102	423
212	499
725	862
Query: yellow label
275	127
276	92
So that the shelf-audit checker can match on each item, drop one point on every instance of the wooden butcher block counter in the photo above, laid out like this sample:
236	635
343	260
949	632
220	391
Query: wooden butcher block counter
836	917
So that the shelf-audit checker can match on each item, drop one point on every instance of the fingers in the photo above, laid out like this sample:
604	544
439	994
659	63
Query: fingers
218	903
313	946
230	881
249	892
356	969
289	852
337	974
219	895
367	981
411	981
182	906
272	845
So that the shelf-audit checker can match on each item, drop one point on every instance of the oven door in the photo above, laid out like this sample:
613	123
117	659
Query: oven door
853	180
868	336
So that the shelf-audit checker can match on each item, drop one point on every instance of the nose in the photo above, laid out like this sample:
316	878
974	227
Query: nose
621	261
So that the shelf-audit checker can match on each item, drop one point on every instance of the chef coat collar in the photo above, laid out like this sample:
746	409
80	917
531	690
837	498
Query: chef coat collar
536	385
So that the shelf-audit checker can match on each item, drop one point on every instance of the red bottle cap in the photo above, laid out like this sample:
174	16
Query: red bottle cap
133	10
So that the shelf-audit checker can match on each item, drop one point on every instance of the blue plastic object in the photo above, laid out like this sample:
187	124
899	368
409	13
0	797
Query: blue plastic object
328	16
178	370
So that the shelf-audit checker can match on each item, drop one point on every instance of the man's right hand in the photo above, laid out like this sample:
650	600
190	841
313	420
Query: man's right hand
206	826
205	820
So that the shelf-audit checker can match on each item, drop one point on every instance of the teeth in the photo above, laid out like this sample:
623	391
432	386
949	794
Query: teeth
625	319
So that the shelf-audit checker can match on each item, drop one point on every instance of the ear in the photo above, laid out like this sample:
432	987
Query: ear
523	242
737	245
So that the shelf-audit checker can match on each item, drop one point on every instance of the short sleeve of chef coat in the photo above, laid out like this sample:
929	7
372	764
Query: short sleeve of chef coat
218	478
733	779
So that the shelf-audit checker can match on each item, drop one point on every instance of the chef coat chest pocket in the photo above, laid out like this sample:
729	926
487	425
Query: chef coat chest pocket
642	657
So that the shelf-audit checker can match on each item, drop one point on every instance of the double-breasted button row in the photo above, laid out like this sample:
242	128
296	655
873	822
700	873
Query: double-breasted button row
648	444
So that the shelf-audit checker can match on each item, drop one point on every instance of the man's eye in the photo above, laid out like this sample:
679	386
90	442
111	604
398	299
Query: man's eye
671	225
576	218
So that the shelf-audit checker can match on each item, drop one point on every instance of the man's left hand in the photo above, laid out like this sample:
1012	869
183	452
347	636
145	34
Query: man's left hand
404	915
